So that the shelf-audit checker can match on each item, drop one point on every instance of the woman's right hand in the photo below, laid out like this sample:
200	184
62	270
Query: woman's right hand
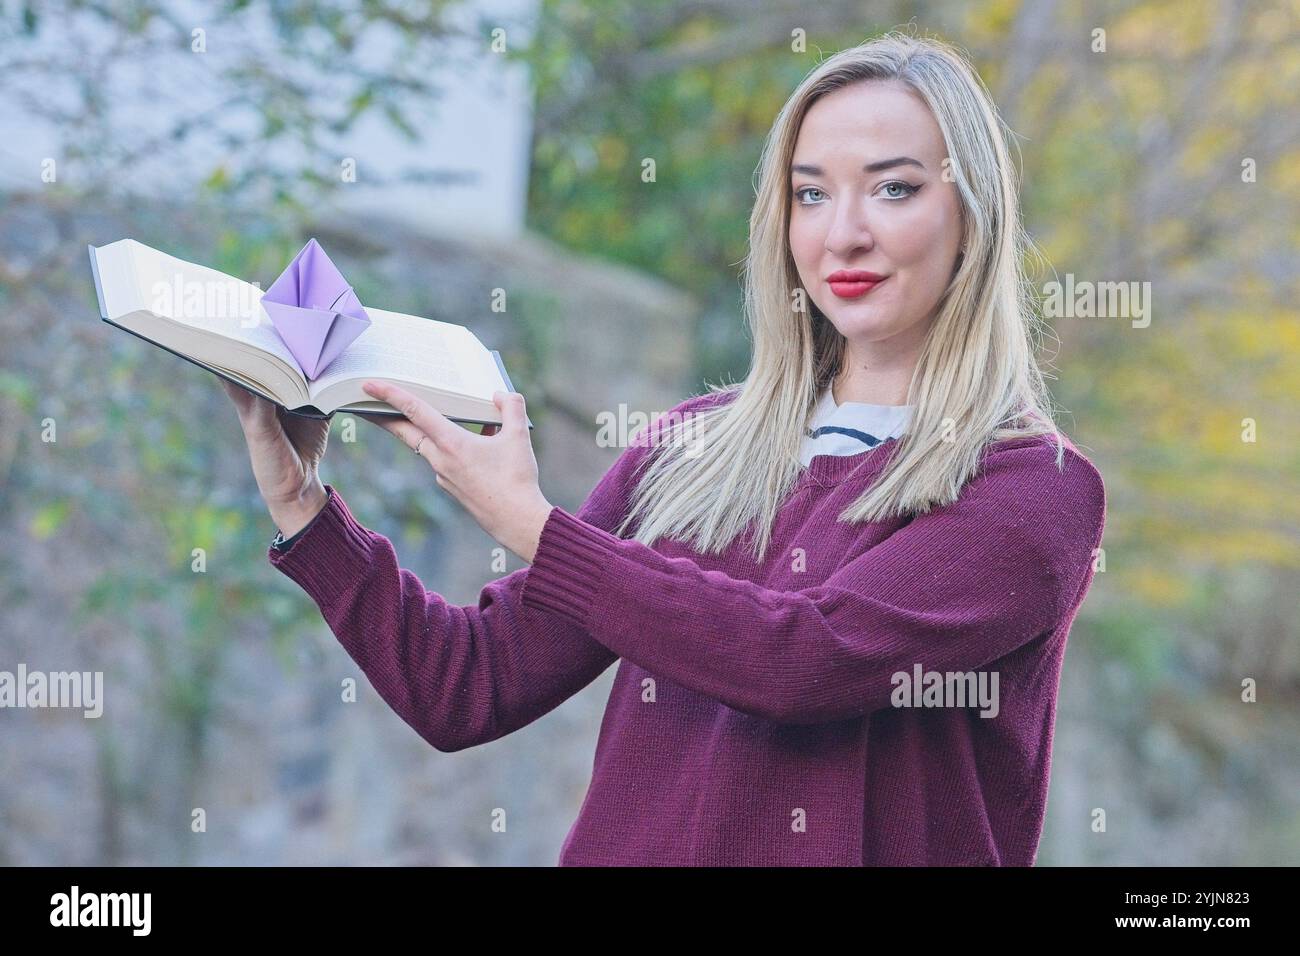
285	451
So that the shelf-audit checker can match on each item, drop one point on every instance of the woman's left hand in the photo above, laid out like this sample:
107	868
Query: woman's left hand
493	475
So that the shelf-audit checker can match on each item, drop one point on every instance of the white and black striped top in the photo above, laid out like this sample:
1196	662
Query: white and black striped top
851	428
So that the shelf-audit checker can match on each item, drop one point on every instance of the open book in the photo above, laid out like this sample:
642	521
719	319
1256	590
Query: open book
218	323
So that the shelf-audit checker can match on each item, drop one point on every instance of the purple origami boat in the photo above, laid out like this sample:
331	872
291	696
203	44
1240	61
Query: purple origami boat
314	310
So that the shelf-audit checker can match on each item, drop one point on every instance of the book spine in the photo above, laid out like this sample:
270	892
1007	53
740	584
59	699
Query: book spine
99	288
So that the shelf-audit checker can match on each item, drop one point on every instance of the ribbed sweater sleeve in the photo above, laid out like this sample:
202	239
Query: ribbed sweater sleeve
953	590
458	675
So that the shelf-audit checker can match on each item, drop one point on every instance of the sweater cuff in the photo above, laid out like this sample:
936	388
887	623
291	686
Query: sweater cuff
331	554
565	574
281	543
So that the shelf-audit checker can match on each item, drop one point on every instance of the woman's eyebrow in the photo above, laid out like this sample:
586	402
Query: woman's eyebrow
810	170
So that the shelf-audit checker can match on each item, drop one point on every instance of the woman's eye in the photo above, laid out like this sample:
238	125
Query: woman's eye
909	189
807	189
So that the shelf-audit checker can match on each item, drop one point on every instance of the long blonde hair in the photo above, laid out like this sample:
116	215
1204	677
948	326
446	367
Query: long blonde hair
976	380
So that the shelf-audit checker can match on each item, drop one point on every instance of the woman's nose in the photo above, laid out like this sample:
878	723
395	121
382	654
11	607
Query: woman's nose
850	231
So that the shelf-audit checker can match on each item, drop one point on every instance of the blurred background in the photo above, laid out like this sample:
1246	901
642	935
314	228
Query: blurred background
500	145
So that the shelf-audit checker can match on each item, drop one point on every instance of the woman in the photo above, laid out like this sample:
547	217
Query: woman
798	574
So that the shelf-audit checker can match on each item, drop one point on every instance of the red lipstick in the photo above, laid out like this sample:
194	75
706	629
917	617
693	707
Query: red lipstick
853	283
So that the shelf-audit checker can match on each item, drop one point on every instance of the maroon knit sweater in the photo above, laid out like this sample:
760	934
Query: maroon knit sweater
760	714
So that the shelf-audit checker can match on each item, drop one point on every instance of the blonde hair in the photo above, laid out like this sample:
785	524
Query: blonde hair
976	379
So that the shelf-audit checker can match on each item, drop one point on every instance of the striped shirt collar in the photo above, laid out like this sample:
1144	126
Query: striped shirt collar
851	428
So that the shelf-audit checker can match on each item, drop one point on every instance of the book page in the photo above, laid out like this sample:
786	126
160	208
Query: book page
424	351
203	298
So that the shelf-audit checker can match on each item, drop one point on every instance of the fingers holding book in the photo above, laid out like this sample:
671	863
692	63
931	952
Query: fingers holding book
493	475
285	451
407	433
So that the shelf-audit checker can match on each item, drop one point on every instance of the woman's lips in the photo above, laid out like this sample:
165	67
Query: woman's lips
854	290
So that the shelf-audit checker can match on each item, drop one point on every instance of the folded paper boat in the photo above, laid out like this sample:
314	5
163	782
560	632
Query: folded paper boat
314	310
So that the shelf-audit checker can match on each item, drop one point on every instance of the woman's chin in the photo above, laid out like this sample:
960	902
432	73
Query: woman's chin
862	324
